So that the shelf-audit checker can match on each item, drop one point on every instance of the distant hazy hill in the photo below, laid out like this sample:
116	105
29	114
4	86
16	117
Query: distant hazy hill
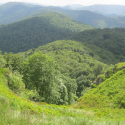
73	7
13	11
108	10
36	31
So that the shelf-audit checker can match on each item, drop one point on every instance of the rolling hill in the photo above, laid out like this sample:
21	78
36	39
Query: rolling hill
13	11
112	40
106	10
33	32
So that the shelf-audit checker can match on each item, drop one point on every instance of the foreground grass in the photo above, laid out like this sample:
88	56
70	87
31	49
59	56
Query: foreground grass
15	110
12	116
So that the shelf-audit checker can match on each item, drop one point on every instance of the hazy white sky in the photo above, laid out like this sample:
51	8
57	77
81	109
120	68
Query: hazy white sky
67	2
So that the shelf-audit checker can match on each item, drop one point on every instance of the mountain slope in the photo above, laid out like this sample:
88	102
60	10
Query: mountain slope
107	9
112	40
36	31
102	9
66	22
91	18
75	60
13	11
110	93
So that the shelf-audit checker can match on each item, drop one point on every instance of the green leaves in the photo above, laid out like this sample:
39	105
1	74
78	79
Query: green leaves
40	73
2	61
15	82
13	61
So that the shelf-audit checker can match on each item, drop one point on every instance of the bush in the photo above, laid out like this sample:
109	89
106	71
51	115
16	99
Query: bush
15	82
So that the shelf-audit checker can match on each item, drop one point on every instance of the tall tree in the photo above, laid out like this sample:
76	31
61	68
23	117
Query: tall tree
40	72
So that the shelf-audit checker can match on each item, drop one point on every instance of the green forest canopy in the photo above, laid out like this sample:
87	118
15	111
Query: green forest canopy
112	40
33	32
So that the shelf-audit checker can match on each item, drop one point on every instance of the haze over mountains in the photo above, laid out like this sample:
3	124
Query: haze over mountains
14	11
107	10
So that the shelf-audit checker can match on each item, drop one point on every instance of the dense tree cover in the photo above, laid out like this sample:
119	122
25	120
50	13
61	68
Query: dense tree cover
2	61
41	73
66	22
42	78
112	40
13	61
26	34
36	31
75	61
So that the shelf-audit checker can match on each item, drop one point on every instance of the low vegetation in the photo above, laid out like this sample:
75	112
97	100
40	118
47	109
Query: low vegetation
17	110
107	97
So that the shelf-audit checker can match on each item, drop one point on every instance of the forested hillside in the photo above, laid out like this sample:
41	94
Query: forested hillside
36	31
75	61
112	40
66	22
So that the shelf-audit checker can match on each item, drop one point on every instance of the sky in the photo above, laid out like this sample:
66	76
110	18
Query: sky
69	2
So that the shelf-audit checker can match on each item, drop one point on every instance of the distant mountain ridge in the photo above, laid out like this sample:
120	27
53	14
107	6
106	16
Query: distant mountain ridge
15	11
36	31
103	9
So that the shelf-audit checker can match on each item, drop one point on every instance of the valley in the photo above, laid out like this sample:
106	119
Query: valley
61	66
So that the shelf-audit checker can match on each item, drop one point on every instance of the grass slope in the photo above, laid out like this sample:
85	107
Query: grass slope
17	110
19	103
109	96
